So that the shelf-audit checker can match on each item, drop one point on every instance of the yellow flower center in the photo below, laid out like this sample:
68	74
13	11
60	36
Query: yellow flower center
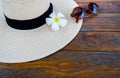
56	19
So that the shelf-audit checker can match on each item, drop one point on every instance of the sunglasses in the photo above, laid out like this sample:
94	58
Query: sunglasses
80	12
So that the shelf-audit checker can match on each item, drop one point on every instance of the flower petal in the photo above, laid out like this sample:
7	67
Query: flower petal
53	15
63	22
60	15
49	21
55	27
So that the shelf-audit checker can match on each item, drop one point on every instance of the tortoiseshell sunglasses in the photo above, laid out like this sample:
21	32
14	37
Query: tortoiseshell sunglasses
79	12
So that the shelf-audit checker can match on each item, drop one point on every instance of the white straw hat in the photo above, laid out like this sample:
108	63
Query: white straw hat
27	45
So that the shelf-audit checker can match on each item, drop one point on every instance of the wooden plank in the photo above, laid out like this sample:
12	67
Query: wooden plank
64	64
100	28
108	15
105	6
102	23
95	41
107	20
94	0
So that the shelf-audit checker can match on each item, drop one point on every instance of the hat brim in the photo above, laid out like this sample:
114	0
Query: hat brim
27	45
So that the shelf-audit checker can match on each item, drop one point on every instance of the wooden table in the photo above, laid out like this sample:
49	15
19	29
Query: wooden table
94	53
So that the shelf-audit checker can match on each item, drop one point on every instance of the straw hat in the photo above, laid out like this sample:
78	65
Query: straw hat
22	45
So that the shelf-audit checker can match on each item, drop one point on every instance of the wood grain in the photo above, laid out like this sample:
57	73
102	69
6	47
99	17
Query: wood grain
94	53
107	19
105	7
101	24
72	64
94	0
95	41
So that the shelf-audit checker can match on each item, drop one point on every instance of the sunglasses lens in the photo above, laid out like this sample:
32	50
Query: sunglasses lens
93	8
78	13
82	13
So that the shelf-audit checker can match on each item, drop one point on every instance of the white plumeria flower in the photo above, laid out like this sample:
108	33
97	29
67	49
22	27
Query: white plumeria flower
56	21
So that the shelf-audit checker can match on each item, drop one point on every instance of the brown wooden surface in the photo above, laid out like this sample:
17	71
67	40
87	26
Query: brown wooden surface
94	53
